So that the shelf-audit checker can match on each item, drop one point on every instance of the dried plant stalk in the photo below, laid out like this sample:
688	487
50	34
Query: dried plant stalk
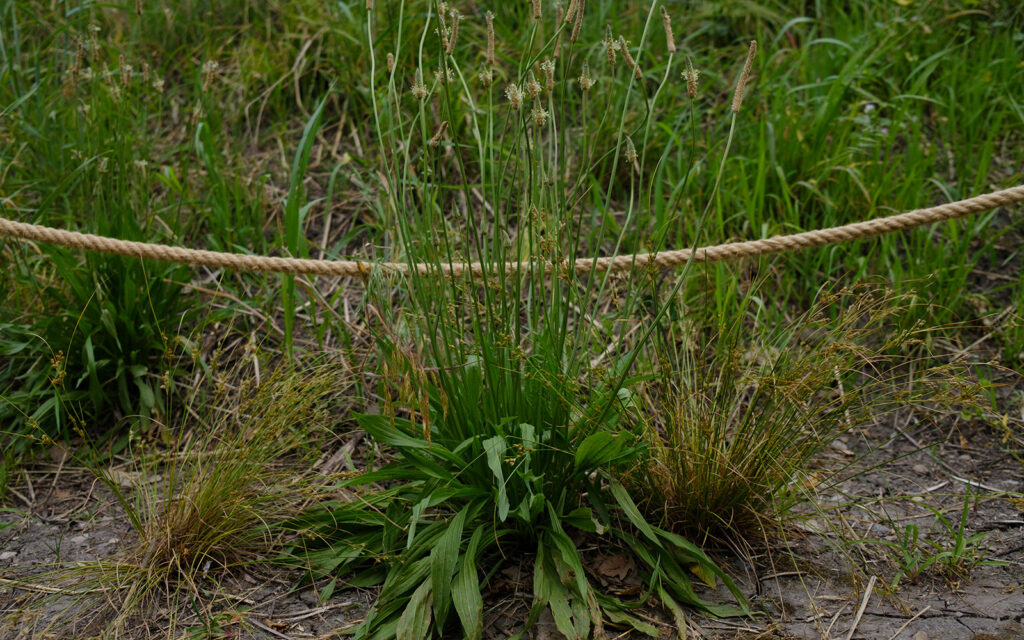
666	23
737	98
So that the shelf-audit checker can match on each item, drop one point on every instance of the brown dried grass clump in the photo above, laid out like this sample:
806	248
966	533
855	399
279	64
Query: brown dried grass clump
738	415
217	497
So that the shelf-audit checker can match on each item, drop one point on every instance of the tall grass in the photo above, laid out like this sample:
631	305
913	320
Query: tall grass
92	339
509	414
865	122
104	124
294	215
91	333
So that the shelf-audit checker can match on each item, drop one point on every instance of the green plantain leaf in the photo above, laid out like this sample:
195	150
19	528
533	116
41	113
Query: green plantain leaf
583	518
581	618
598	449
414	623
386	430
495	448
443	559
706	575
466	596
548	587
541	588
629	508
621	617
677	612
568	554
708	568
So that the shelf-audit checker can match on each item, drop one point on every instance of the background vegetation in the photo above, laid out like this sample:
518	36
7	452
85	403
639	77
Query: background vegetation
508	407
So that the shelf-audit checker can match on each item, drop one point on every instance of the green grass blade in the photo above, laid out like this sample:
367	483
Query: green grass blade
293	219
495	448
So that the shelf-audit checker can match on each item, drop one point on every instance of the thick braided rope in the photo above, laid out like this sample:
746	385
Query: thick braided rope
662	260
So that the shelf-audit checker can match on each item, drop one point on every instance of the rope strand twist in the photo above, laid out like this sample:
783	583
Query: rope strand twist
660	260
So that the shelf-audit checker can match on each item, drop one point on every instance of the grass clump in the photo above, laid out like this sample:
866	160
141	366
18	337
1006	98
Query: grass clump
213	500
86	336
509	416
737	414
91	355
105	339
948	549
520	140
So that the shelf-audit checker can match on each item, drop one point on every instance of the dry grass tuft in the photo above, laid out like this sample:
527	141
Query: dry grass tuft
226	483
738	416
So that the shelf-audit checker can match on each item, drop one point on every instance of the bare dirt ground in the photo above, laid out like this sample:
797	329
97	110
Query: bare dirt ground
809	583
79	522
817	587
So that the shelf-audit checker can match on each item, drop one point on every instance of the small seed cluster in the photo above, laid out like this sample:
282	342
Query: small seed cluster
523	94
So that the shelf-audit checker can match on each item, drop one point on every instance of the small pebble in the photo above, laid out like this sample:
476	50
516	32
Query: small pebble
920	635
840	445
113	541
920	469
8	555
78	539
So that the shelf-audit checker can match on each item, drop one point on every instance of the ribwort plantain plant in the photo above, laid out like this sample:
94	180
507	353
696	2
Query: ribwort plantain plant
506	409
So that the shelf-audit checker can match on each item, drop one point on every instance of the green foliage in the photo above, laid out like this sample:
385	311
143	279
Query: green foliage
295	211
455	506
950	548
104	350
520	389
507	407
91	340
1011	329
860	122
233	218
